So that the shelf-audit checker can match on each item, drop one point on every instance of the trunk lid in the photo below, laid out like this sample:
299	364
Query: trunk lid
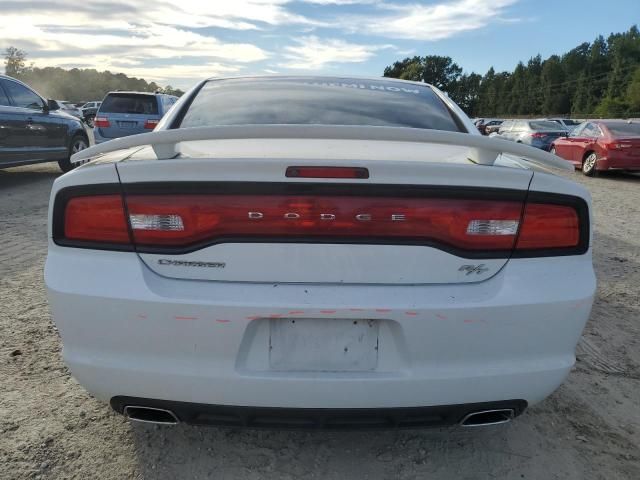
629	146
249	177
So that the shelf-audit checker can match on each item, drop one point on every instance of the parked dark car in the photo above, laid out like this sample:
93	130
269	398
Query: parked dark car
492	127
128	113
89	110
537	133
482	124
602	145
567	123
33	130
68	107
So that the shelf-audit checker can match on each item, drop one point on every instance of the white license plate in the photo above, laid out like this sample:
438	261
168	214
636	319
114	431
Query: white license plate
127	124
321	344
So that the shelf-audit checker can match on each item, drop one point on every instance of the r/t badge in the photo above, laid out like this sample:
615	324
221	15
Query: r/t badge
477	269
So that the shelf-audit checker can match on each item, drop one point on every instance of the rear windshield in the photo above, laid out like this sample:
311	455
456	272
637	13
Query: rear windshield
571	122
624	129
129	103
309	101
545	125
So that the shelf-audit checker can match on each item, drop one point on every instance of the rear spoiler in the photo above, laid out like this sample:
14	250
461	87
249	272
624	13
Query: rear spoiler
482	150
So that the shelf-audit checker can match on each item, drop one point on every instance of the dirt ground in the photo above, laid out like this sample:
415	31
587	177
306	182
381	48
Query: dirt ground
51	428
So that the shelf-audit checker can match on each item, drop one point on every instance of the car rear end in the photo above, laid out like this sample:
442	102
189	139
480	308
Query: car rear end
70	108
89	111
493	127
318	283
621	146
126	113
542	133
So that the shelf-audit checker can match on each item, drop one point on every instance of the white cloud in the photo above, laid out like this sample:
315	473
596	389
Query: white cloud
313	53
153	51
130	41
343	2
430	22
232	14
144	38
172	40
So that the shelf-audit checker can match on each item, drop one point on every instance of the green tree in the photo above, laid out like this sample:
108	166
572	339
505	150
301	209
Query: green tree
401	69
531	97
593	78
624	53
466	92
553	93
612	107
581	101
169	90
597	70
440	72
517	91
76	84
633	93
15	61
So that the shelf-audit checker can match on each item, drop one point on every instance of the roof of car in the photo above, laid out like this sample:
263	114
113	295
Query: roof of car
322	77
131	92
612	120
15	80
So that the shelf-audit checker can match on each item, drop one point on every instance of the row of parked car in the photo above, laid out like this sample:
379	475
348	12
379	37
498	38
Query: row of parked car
34	129
84	110
592	146
487	126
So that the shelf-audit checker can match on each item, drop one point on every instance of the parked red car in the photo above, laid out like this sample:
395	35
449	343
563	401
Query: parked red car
600	145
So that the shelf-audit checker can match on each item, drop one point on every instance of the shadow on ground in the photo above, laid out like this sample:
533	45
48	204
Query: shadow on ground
19	176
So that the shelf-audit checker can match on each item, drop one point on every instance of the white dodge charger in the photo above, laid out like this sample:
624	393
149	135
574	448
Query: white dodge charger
319	253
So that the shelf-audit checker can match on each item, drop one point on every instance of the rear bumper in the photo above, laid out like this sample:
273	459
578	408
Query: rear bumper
618	162
318	418
130	332
101	139
542	144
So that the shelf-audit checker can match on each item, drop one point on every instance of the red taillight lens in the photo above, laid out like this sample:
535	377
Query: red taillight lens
150	124
549	226
617	145
101	122
99	218
538	135
182	220
327	172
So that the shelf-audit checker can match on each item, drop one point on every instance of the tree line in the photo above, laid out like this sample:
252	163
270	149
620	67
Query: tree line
76	84
600	79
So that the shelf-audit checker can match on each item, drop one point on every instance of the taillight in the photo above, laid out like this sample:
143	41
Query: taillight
99	218
617	145
101	122
538	135
549	226
469	226
150	124
184	220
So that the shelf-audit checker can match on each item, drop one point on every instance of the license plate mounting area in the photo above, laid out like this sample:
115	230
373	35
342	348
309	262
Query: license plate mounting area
323	345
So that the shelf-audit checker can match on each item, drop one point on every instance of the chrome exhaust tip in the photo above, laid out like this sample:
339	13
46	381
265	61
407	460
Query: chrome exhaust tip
158	416
484	418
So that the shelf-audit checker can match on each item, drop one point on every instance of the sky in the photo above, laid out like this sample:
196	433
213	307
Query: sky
179	42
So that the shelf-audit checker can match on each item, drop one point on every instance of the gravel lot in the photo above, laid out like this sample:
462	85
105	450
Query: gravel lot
51	428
